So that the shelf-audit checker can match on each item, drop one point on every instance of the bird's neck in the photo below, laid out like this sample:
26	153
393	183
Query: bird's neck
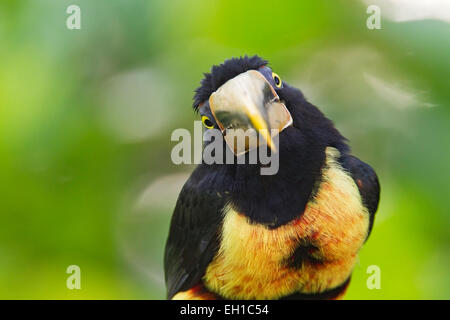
275	200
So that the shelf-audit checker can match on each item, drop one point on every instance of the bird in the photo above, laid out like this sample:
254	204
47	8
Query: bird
296	234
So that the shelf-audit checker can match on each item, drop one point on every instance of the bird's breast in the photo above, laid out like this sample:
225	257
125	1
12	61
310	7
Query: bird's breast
313	253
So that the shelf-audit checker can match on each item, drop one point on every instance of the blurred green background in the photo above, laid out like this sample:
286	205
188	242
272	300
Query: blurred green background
86	117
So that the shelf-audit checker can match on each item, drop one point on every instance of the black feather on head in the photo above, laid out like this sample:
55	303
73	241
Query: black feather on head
224	72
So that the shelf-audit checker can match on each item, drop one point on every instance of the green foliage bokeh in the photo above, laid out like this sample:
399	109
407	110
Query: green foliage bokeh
86	117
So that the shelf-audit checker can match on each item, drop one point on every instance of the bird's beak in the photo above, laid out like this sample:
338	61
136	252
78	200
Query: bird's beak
250	103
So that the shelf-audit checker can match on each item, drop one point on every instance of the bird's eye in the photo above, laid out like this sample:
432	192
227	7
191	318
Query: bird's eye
277	79
207	123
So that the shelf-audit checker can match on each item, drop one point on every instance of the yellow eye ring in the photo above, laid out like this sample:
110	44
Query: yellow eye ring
207	122
277	79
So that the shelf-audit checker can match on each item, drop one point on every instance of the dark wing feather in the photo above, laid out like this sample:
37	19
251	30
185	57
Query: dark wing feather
367	181
193	237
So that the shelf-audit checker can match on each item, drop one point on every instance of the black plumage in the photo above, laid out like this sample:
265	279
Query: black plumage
193	236
222	73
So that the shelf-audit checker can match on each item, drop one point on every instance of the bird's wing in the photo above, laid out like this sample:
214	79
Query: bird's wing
367	181
193	236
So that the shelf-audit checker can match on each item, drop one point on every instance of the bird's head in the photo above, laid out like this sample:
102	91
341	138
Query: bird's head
242	94
245	93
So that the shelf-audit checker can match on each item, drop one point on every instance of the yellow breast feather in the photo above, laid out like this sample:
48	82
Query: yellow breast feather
251	262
